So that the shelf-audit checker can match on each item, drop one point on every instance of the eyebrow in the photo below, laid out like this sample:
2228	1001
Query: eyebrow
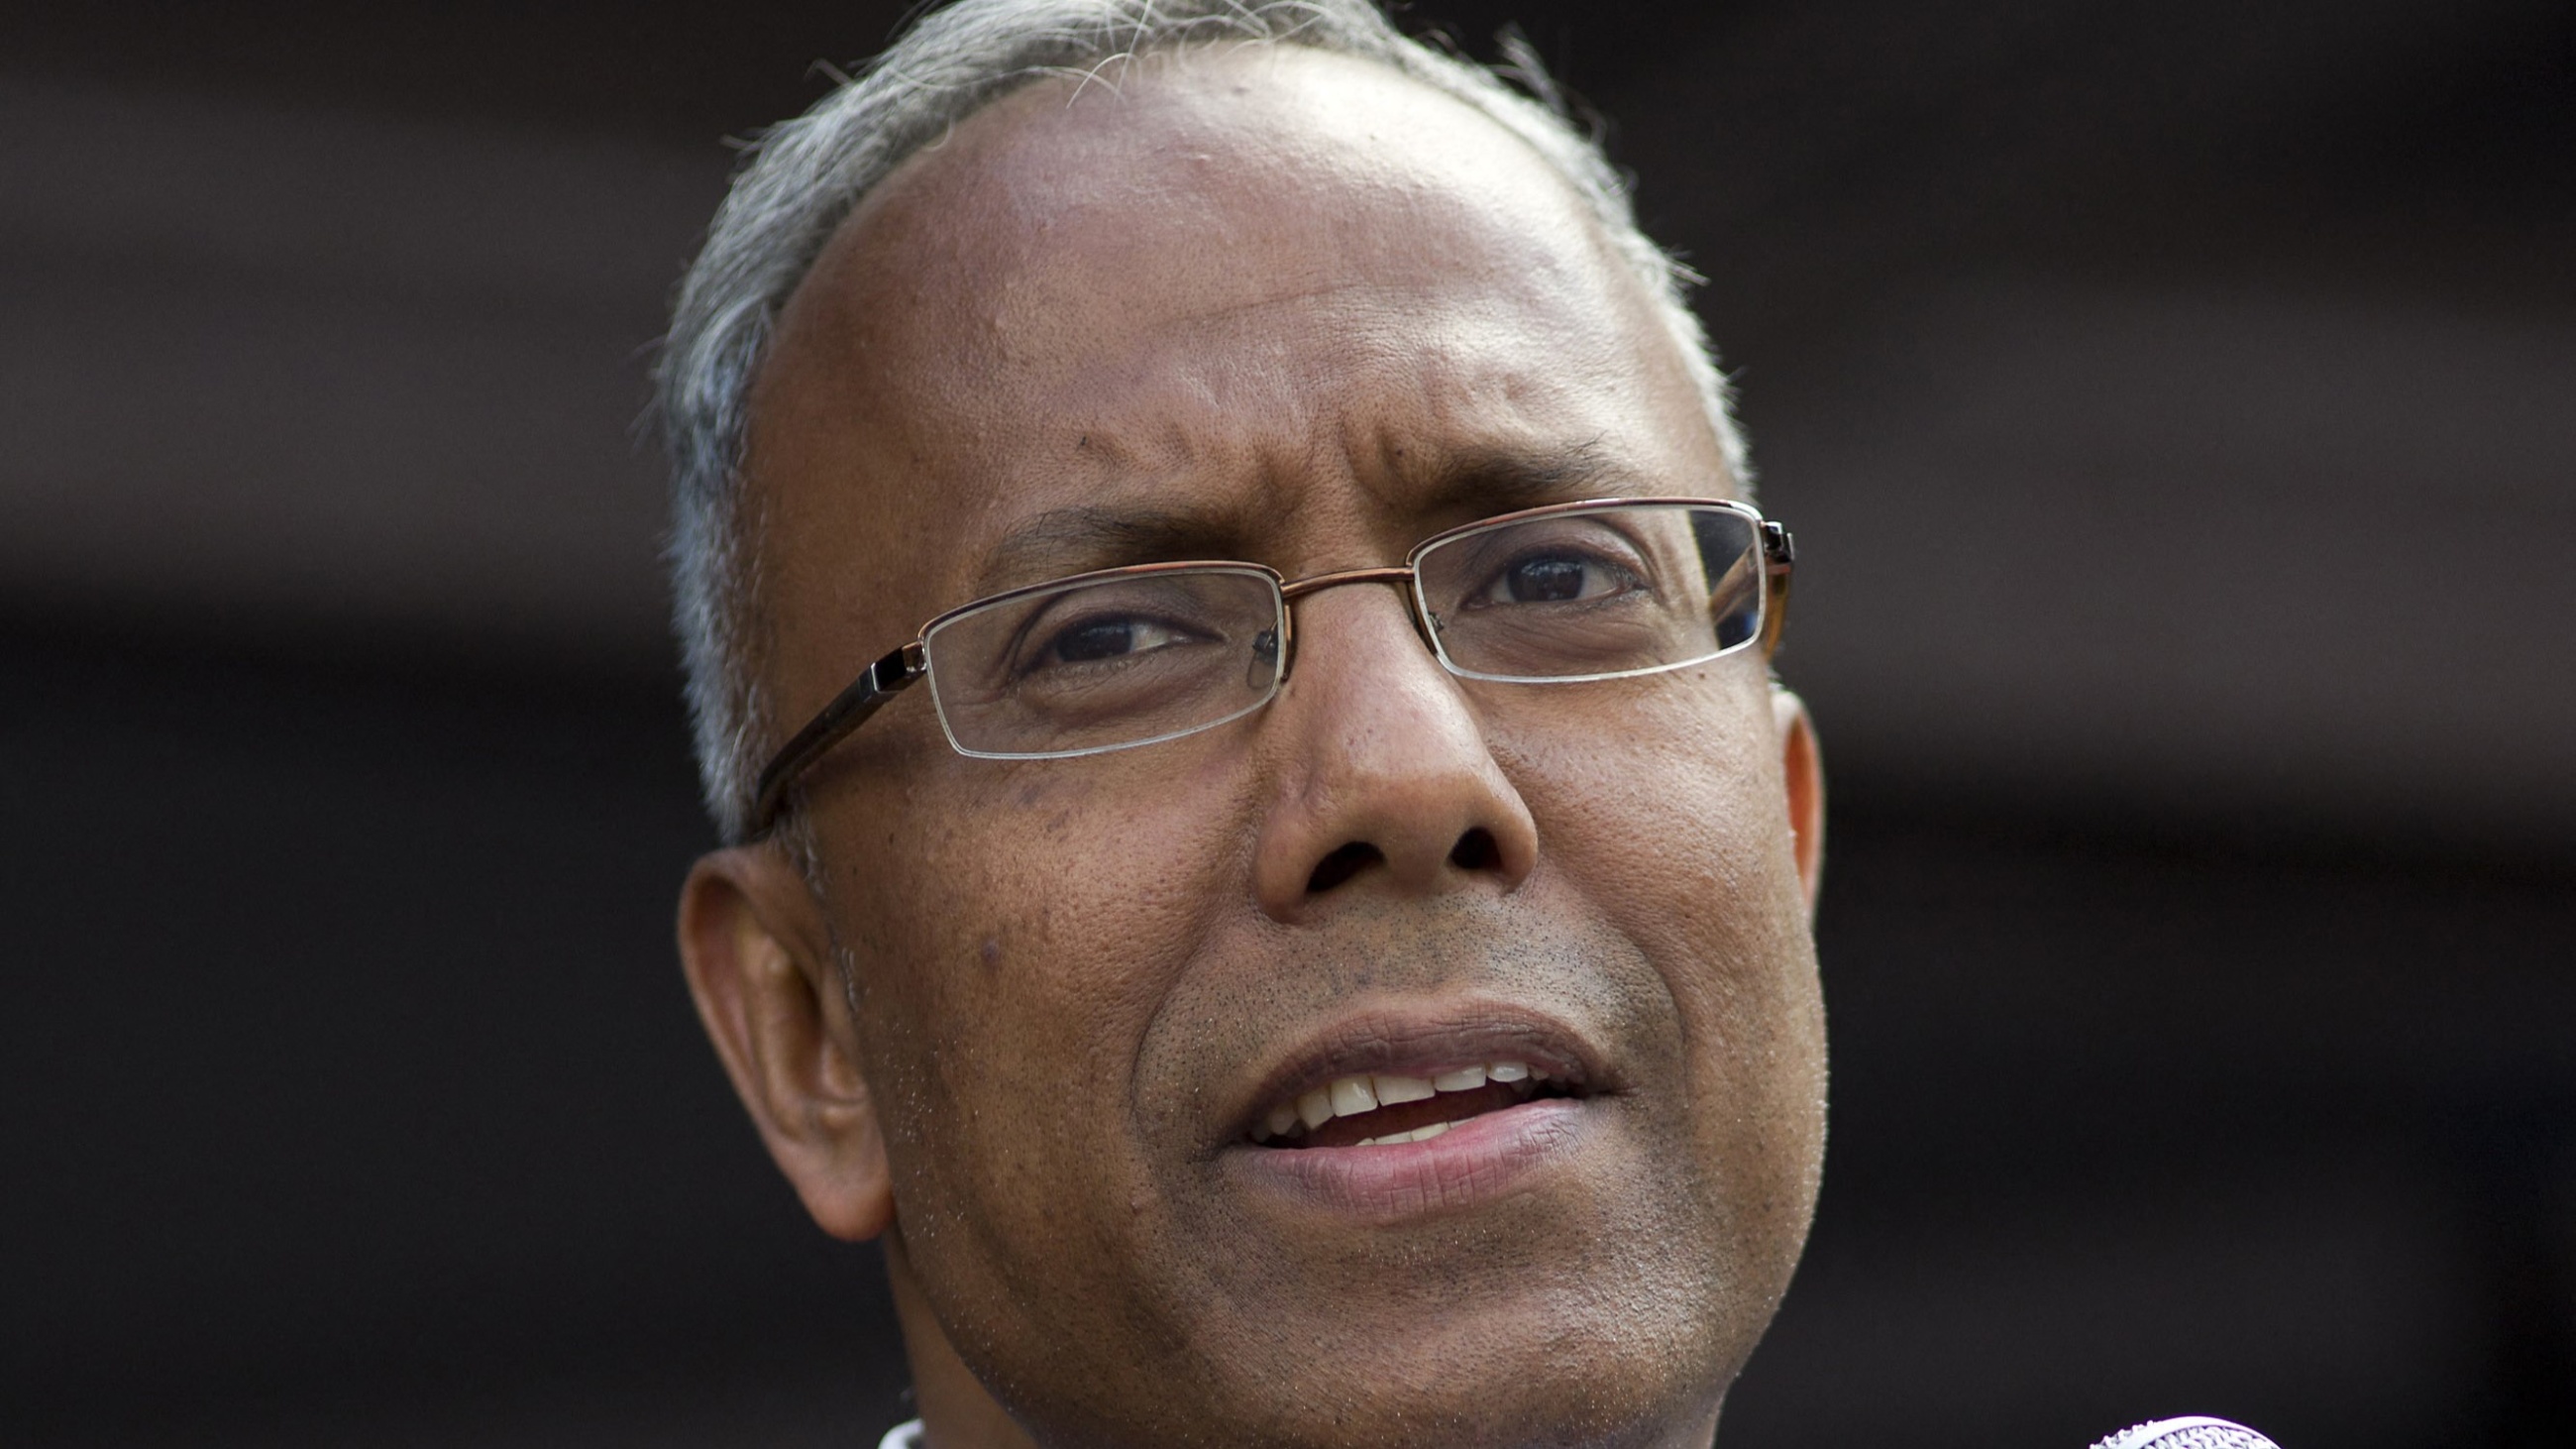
1076	540
1487	481
1463	486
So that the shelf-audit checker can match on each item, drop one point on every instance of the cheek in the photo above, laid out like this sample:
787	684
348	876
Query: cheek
1671	821
1668	811
1013	945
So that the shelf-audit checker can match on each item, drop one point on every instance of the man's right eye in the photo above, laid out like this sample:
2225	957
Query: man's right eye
1094	640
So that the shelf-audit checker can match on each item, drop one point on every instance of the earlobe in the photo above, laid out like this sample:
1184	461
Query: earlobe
1802	773
751	941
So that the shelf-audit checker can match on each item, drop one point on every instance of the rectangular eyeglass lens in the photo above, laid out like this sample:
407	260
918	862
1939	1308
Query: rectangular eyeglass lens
1593	593
1106	663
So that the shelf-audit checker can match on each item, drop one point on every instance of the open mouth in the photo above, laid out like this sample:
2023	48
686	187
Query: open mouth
1383	1109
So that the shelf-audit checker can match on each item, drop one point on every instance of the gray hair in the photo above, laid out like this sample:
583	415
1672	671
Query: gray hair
804	176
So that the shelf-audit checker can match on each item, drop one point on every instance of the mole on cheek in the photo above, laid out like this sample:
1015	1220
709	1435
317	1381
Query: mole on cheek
991	952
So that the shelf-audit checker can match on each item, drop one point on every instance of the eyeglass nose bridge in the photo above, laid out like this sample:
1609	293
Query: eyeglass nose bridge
1401	577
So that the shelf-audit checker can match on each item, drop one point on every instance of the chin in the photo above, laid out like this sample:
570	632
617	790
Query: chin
1540	1343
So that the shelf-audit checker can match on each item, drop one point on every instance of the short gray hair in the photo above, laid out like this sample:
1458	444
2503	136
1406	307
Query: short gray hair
804	176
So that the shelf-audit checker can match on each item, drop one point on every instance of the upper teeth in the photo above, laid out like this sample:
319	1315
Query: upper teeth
1354	1095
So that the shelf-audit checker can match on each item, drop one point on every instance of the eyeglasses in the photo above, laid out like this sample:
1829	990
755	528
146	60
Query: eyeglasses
1123	657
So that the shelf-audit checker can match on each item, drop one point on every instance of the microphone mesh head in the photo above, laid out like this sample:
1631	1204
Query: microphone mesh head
2191	1433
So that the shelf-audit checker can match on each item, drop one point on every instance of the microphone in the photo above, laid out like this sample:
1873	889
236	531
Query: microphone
2194	1432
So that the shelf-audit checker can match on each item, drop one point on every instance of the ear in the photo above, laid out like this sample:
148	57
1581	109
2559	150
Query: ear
753	943
1802	770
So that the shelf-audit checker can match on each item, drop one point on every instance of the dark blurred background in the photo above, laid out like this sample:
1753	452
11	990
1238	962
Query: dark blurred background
2176	404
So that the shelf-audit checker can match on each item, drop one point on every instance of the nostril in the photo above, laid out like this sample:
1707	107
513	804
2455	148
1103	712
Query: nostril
1341	865
1477	850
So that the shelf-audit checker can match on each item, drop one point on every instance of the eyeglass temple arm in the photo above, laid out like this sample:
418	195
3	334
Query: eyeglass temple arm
1779	553
879	682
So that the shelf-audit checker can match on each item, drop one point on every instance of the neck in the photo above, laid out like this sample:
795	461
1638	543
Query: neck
956	1412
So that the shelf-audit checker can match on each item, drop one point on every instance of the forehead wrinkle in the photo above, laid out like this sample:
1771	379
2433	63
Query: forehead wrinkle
1456	485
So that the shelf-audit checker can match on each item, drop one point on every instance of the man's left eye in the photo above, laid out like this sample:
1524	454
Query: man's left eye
1552	579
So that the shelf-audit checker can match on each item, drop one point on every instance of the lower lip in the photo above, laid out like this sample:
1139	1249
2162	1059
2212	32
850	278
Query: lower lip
1479	1160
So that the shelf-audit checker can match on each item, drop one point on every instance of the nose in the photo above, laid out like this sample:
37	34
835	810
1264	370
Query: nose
1382	776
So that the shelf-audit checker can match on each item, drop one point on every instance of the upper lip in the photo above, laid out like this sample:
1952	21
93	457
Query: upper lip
1421	1040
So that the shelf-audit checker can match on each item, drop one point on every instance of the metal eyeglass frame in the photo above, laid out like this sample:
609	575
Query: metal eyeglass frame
899	669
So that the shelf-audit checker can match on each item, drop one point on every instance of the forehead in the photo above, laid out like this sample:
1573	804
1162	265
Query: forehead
1244	286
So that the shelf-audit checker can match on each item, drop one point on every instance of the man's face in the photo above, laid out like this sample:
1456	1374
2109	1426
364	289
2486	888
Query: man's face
1290	308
